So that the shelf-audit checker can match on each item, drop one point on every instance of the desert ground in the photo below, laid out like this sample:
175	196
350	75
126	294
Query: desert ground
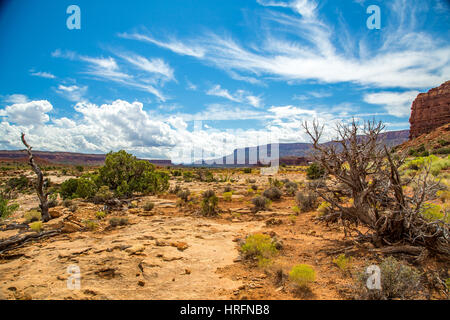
172	251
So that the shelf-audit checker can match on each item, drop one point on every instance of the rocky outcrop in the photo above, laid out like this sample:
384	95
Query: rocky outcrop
430	110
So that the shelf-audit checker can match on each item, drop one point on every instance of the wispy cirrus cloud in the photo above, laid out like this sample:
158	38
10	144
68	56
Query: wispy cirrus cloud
108	69
240	96
405	58
172	44
42	74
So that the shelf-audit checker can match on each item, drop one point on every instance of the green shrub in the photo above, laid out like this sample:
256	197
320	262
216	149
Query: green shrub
306	201
176	173
209	203
103	194
227	196
188	176
259	246
36	226
18	184
302	275
124	174
6	209
398	281
32	215
68	188
79	168
324	208
275	183
273	193
433	212
315	171
247	170
290	187
342	262
100	214
86	188
91	225
445	150
260	203
148	206
184	195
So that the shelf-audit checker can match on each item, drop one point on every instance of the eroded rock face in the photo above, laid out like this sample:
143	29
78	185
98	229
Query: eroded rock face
430	110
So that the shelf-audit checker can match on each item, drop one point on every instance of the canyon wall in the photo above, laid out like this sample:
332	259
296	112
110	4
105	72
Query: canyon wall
430	110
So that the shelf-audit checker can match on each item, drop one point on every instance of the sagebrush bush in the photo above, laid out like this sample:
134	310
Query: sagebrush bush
103	194
273	193
306	200
302	275
184	195
209	203
398	281
259	204
116	221
260	247
291	188
148	206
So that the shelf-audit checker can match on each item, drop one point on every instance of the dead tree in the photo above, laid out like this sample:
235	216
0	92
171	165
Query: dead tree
40	183
362	169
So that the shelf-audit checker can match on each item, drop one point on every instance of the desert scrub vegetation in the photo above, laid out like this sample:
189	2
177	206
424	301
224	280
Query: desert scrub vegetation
209	203
100	215
398	281
290	188
260	247
31	216
433	212
123	174
148	206
302	275
273	193
6	209
315	171
306	200
342	262
227	196
260	203
116	221
36	226
184	195
366	172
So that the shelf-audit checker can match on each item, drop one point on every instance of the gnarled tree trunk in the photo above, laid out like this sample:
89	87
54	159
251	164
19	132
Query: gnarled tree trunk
40	189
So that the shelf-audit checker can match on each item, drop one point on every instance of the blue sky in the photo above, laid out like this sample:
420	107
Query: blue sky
159	78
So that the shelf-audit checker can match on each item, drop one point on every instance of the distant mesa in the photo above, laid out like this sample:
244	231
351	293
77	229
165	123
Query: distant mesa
430	110
66	158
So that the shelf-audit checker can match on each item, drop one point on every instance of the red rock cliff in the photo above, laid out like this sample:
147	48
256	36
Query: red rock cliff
430	110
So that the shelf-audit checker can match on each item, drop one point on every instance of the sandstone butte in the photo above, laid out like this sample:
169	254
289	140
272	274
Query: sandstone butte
430	110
